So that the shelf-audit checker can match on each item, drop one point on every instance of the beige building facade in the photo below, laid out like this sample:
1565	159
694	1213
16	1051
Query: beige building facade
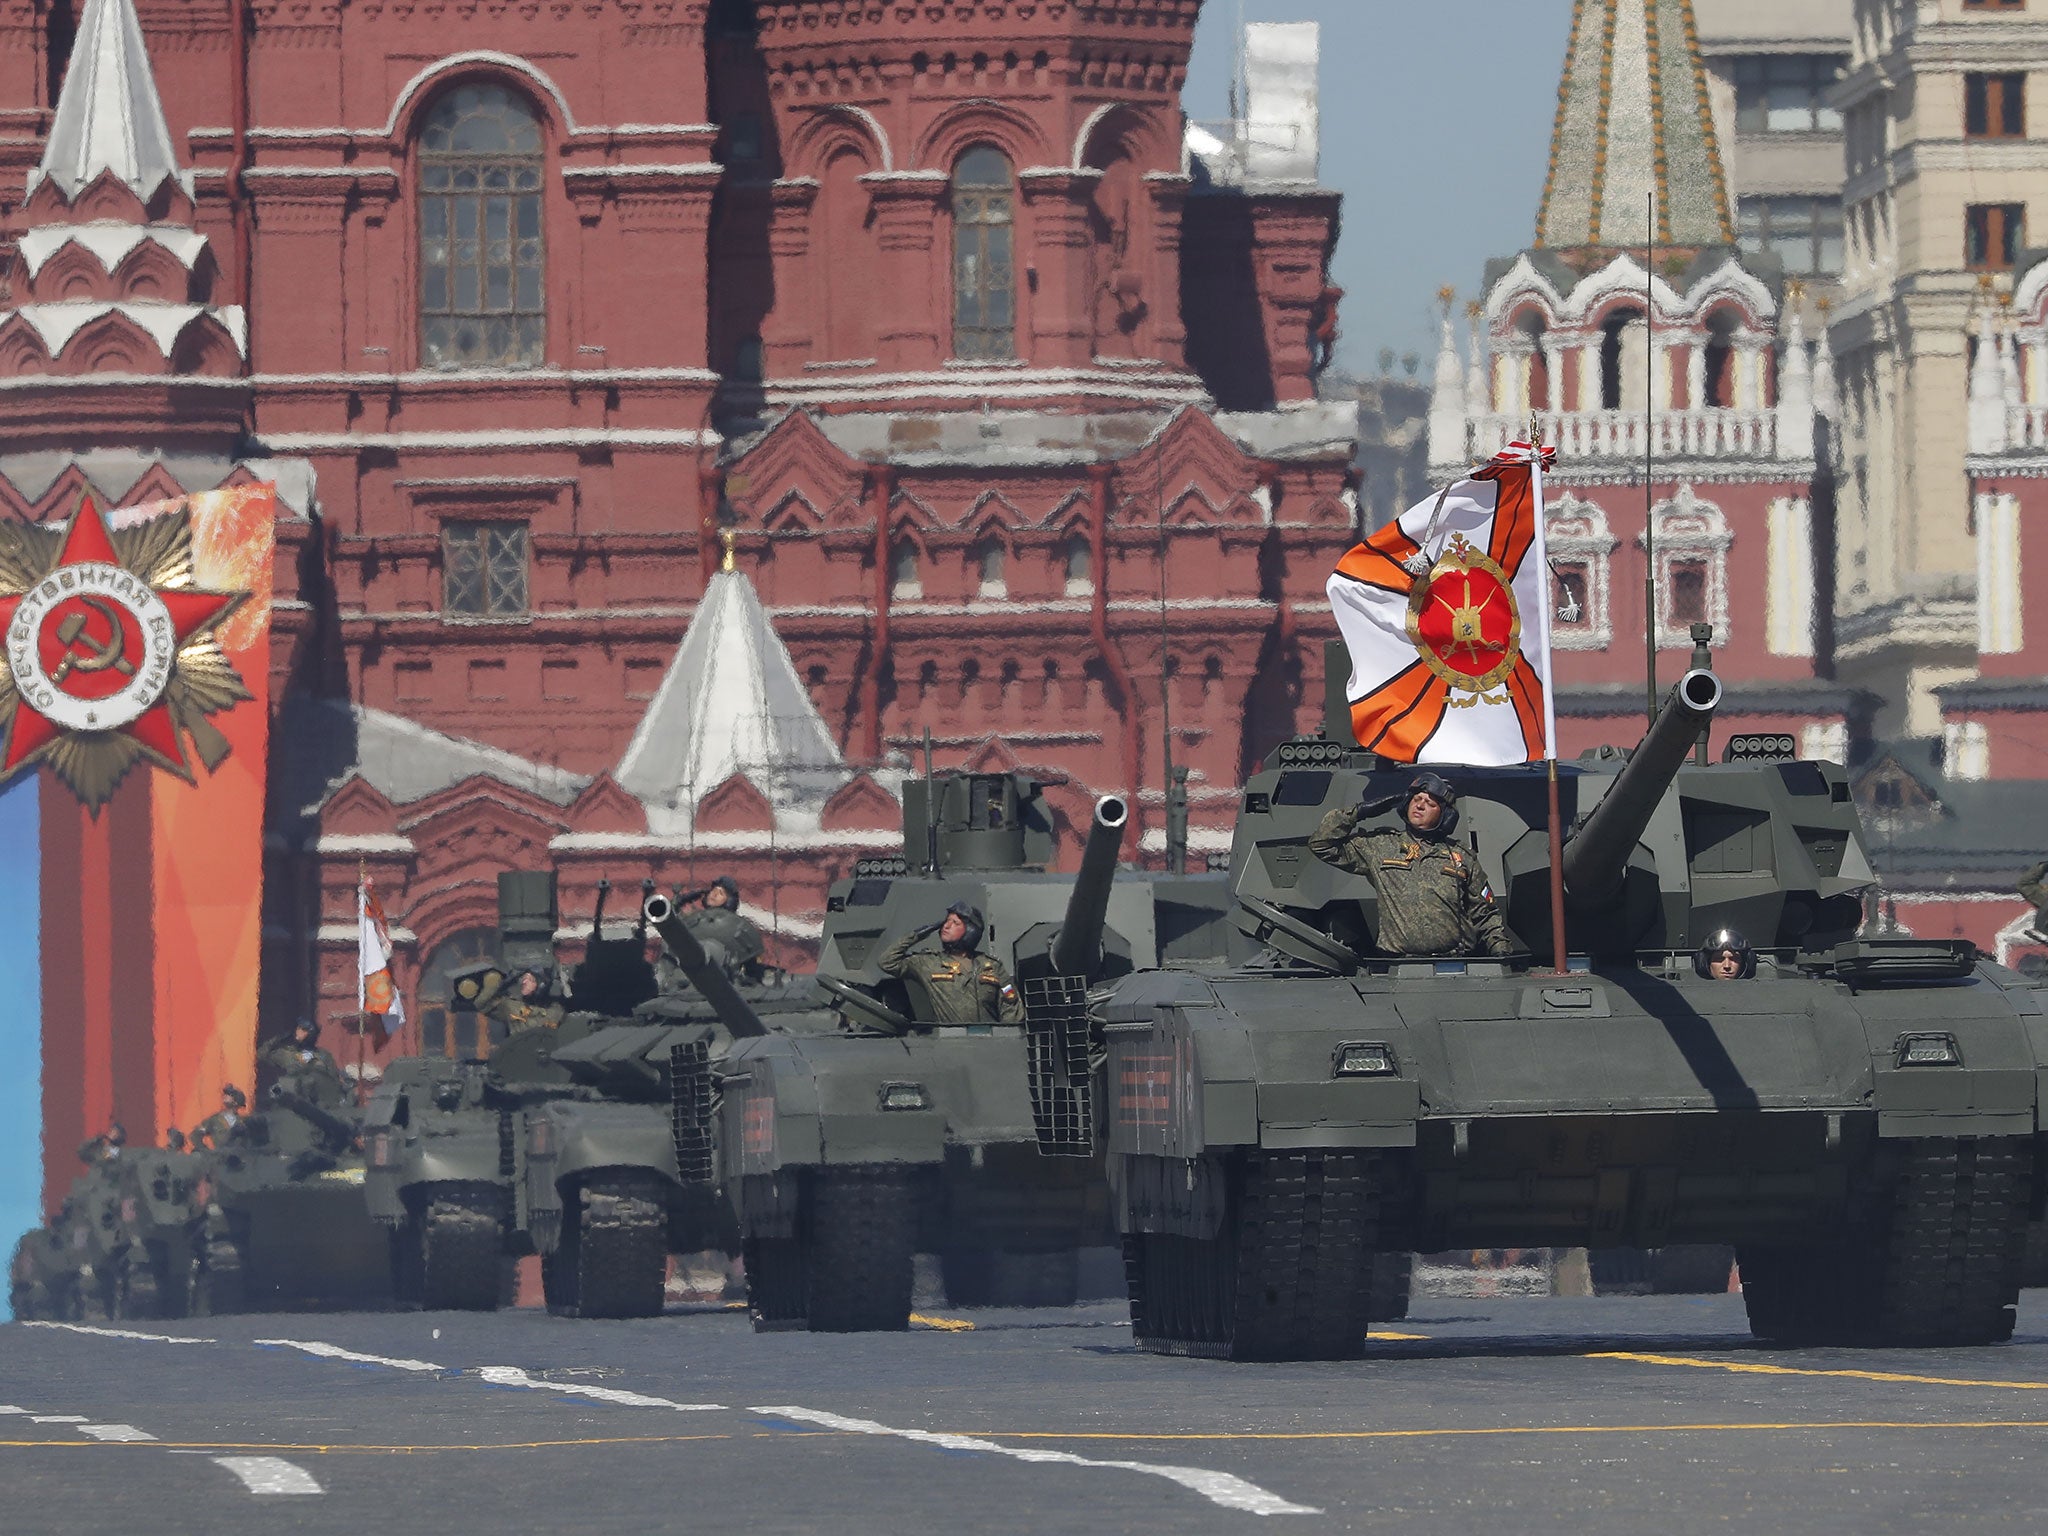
1944	120
1772	67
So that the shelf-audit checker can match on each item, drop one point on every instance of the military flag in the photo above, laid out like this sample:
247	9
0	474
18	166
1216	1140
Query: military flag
375	994
1446	614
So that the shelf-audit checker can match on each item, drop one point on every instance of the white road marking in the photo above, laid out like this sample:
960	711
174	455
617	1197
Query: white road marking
10	1408
124	1432
57	1418
122	1333
269	1474
513	1376
336	1352
1224	1488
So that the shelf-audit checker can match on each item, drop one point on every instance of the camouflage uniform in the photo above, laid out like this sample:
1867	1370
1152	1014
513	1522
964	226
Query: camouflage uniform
959	988
1434	895
730	942
2033	887
287	1057
519	1014
215	1129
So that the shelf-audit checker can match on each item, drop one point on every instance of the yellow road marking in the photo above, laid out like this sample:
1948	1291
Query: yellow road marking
943	1324
1750	1367
1512	1429
1378	1334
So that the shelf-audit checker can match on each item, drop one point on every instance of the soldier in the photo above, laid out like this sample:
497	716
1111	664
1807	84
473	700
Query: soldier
2033	887
530	1004
106	1147
956	985
303	1050
731	942
174	1140
217	1129
1726	956
1434	895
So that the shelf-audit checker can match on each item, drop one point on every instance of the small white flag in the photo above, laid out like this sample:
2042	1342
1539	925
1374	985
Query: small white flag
375	993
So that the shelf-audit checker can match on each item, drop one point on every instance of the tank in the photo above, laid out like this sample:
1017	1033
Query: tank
846	1151
1857	1118
289	1224
566	1142
46	1276
166	1227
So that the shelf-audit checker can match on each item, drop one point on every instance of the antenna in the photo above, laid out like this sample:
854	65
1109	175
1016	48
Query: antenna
1175	780
1650	452
931	810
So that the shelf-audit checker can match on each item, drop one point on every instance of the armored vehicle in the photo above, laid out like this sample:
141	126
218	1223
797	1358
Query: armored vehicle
1857	1116
566	1142
165	1224
846	1153
46	1277
289	1223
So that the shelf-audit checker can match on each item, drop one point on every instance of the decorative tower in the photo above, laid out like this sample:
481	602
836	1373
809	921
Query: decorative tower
1649	347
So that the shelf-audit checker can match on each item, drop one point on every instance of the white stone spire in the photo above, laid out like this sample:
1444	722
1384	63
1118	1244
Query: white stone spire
109	116
1447	438
1987	388
731	703
1827	400
1795	389
1478	386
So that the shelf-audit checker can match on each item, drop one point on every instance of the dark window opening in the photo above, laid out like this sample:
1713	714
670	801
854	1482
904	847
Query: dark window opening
1611	358
1804	233
1687	586
1991	235
1574	594
1995	106
1786	93
984	261
483	569
480	297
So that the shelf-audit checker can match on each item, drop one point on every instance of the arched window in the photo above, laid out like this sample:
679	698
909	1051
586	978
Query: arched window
480	232
1080	567
906	575
988	567
984	265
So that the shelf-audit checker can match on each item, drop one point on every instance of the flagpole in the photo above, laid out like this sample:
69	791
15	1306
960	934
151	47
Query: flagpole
1559	958
362	981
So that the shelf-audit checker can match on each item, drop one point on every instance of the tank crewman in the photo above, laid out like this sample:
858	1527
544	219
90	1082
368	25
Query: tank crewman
731	942
174	1140
1434	895
1726	956
530	1002
2033	887
105	1147
956	985
217	1129
300	1052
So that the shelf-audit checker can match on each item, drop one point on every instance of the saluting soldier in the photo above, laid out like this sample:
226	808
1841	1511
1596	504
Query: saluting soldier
216	1128
958	986
1434	896
303	1050
530	1004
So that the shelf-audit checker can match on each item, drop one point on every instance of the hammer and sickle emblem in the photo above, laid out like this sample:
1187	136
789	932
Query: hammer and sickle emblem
96	656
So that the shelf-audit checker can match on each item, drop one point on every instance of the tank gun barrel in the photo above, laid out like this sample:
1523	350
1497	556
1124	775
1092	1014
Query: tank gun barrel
324	1121
1597	856
1077	949
733	1010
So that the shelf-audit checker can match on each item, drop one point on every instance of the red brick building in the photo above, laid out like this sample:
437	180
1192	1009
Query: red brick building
1005	396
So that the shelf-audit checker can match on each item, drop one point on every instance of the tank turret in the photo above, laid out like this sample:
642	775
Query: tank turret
1596	855
717	989
333	1131
976	821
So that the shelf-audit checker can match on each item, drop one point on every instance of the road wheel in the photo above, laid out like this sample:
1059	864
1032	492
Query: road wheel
775	1283
617	1239
860	1249
461	1239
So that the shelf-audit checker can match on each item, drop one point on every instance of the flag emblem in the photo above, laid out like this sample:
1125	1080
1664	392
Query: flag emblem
1464	621
1432	610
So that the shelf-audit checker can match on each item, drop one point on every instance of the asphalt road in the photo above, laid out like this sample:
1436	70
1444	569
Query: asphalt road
1510	1416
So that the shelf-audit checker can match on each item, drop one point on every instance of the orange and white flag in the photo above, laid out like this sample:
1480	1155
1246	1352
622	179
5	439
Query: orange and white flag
375	993
1446	614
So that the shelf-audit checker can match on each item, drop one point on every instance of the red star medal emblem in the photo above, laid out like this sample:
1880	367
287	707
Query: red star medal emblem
92	656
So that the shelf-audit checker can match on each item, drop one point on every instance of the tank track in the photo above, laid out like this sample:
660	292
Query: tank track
141	1294
223	1277
461	1246
859	1249
1931	1256
619	1250
1393	1275
1289	1275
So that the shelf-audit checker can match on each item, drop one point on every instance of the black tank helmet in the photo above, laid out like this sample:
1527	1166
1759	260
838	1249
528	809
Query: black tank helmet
731	887
1438	788
977	925
310	1028
235	1095
1725	941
